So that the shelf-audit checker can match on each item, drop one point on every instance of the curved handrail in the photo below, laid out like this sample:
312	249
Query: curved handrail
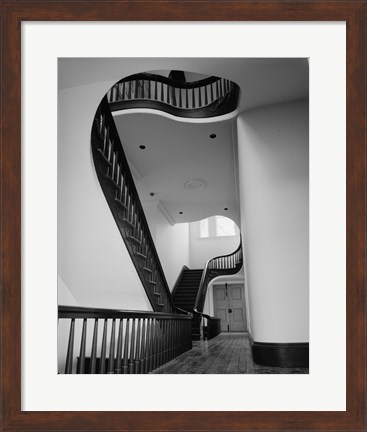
118	186
209	97
220	265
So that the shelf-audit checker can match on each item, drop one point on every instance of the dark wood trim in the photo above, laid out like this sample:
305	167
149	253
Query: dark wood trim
85	312
287	355
13	13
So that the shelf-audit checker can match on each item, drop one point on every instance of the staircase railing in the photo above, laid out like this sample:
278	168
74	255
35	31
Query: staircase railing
218	266
205	98
116	181
132	342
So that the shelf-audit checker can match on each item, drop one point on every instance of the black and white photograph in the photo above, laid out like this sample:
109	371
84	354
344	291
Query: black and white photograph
183	215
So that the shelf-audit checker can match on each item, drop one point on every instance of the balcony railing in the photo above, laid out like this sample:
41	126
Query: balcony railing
122	342
209	97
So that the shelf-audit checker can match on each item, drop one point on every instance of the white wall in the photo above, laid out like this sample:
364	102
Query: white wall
171	242
274	191
92	259
204	249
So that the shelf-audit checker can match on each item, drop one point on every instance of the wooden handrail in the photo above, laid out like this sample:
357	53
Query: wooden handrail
220	265
118	186
86	312
209	97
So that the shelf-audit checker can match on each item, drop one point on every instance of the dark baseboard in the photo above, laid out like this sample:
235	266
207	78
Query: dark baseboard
289	355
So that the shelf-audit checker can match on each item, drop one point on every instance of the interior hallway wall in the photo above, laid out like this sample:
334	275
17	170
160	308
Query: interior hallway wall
171	242
93	261
273	151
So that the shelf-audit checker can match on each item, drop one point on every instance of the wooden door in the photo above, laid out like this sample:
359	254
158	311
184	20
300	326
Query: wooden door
229	306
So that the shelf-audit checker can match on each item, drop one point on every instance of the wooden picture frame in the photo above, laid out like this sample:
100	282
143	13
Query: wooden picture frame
13	13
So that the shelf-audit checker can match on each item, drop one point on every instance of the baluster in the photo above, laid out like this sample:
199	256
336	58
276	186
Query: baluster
111	360
118	170
158	343
152	345
193	98
127	201
167	341
163	346
137	349
102	366
109	153
143	347
223	87
168	94
200	104
187	97
123	91
125	363
155	90
93	356
69	355
148	354
206	95
119	91
180	97
105	140
142	89
136	89
162	92
119	348
81	365
130	90
132	348
211	93
217	89
175	338
149	89
173	102
101	123
113	165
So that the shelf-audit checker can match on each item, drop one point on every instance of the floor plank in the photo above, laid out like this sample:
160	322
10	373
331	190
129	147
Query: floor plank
228	353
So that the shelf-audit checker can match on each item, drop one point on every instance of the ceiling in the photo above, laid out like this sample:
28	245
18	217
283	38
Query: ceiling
179	151
175	153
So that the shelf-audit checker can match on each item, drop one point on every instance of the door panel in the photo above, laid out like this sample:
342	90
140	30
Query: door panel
223	315
229	306
237	304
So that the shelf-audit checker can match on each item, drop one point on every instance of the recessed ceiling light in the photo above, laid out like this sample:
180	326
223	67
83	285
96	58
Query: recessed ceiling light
142	147
212	136
194	184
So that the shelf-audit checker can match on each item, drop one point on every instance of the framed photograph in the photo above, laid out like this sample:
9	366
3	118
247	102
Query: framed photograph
285	84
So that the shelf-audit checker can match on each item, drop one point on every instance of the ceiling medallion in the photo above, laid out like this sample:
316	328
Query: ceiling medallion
195	184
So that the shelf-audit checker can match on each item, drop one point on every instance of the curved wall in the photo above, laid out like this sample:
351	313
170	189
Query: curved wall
274	191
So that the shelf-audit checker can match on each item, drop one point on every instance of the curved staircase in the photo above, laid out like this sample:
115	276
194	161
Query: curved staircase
140	341
185	293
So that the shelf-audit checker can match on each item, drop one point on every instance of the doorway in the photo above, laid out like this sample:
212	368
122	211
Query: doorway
229	306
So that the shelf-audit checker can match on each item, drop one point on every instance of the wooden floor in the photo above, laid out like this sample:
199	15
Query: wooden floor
228	353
